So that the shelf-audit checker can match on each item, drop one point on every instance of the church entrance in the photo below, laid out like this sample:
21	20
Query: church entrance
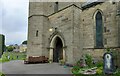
58	50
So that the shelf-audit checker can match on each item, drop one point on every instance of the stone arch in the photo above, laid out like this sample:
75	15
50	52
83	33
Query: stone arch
53	40
96	11
98	24
57	33
52	44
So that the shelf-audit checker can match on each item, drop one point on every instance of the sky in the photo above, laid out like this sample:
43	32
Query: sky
14	20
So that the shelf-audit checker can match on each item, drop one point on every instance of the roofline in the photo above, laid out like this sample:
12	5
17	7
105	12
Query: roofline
65	8
37	15
91	4
57	11
83	7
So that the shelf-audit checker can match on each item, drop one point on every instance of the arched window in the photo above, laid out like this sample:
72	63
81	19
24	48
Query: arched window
99	30
37	33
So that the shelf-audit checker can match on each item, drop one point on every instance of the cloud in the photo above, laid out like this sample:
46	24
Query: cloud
14	21
1	16
16	38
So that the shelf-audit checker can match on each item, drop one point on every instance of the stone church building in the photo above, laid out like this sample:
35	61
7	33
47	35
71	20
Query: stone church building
69	30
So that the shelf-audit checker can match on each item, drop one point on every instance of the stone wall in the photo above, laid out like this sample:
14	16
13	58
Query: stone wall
64	23
35	43
116	53
77	34
68	22
110	37
50	6
37	22
47	8
36	8
109	22
118	21
76	26
97	54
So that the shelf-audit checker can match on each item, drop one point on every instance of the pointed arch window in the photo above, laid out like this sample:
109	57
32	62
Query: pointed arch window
99	30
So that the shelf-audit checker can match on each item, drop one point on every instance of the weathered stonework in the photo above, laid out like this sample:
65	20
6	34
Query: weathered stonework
75	26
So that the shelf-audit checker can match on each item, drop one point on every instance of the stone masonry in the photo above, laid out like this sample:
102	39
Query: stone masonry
74	24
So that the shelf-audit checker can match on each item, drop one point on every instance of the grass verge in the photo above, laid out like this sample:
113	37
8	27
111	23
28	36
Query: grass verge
8	56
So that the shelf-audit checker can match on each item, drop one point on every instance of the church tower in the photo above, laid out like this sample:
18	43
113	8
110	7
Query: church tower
37	23
64	42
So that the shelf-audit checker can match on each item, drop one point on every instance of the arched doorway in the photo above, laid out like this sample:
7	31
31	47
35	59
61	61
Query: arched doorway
58	50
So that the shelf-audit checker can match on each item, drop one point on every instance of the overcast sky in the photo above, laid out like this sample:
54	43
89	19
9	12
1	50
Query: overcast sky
14	20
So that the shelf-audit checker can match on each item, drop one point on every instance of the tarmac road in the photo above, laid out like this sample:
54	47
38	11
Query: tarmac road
18	67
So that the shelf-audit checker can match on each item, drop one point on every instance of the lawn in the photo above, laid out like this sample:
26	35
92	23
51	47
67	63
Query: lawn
1	74
8	56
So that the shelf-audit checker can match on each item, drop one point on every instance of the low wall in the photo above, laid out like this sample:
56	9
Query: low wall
97	54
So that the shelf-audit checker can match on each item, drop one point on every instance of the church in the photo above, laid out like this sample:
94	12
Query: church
69	30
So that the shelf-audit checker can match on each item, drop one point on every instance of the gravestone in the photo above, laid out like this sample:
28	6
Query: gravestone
108	63
8	57
17	56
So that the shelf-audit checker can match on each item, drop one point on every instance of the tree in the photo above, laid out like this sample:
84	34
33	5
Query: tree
24	42
9	48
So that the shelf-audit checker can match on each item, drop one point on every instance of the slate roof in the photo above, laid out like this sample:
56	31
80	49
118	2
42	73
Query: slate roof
90	4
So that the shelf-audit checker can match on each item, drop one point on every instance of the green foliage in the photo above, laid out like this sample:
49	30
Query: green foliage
1	74
89	60
99	64
9	48
24	42
13	56
117	73
108	49
78	63
50	60
75	69
62	62
99	70
4	60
